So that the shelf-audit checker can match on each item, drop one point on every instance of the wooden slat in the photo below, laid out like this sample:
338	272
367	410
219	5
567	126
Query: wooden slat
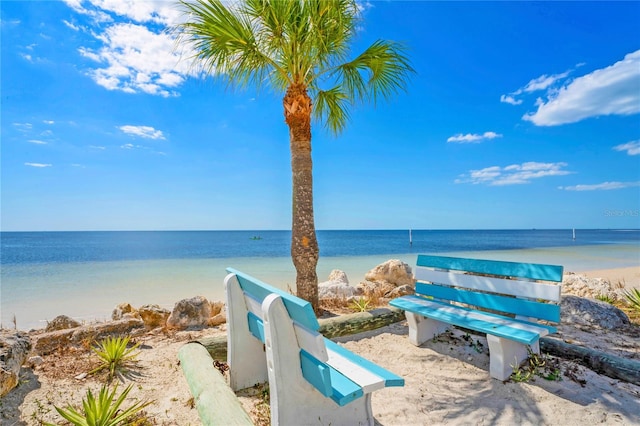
494	267
329	381
519	331
373	376
256	327
524	307
299	309
316	373
311	341
517	288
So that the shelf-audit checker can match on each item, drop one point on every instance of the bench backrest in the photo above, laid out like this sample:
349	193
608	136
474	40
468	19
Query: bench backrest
523	289
313	351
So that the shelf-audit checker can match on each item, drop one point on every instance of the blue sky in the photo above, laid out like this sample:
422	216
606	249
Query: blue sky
520	115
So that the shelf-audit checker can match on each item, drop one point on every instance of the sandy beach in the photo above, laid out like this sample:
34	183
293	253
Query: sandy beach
447	380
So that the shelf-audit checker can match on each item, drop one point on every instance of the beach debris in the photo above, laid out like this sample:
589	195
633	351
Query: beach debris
589	313
391	277
153	315
14	348
194	312
62	322
337	286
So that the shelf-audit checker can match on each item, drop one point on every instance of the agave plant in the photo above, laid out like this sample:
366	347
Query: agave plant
360	305
114	355
633	297
104	410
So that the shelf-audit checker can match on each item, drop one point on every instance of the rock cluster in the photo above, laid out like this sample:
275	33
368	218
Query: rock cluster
582	286
14	348
194	312
390	279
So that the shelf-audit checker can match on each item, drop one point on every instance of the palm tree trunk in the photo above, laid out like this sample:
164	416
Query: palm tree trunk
304	244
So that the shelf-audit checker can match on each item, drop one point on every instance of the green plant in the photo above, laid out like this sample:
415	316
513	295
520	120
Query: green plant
605	298
114	355
633	297
360	305
536	366
103	411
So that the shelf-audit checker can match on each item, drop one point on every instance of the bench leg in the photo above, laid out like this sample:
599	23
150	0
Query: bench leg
422	329
293	400
505	353
245	353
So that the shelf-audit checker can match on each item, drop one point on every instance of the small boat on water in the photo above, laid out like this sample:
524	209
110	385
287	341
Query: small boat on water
256	237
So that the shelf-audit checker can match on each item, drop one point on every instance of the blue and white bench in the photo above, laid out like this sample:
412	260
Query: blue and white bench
506	305
312	380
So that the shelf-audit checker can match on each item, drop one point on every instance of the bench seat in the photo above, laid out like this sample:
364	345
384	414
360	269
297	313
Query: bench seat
521	331
512	303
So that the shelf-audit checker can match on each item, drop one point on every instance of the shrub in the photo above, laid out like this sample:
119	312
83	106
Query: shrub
103	411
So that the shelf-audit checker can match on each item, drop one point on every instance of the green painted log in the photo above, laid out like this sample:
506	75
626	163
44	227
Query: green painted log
217	404
342	325
601	362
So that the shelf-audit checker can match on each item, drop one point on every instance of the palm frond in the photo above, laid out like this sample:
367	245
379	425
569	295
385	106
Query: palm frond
331	108
382	70
224	42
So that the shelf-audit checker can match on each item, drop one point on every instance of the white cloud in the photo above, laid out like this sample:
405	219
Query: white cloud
23	127
473	138
605	186
48	122
614	90
142	131
37	142
135	56
513	174
38	165
541	83
71	25
632	148
136	59
509	99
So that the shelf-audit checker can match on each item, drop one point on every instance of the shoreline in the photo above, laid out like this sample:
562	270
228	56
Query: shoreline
90	291
629	276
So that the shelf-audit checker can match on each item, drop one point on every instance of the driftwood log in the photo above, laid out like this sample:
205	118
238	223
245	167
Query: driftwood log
601	362
217	404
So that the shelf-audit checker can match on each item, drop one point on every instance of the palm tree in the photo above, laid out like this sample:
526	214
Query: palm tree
301	49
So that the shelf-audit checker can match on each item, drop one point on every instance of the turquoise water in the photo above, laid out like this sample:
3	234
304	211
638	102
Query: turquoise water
85	275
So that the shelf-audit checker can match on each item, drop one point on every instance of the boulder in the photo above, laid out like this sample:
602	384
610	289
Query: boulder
337	286
124	310
218	314
580	311
338	276
153	315
393	271
194	312
385	279
14	348
62	322
402	290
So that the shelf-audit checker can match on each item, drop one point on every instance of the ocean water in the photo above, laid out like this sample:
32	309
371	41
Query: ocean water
86	274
